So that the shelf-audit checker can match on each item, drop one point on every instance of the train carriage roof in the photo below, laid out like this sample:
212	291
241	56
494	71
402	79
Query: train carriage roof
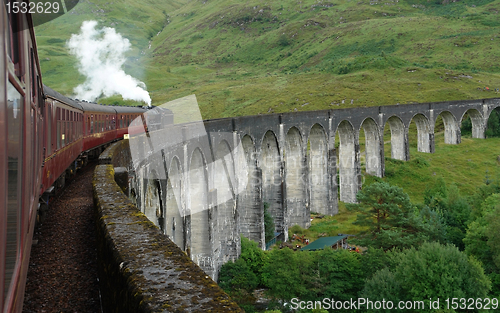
49	92
91	106
94	107
127	110
115	109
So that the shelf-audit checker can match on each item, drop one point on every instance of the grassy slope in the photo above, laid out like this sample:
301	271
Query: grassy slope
258	56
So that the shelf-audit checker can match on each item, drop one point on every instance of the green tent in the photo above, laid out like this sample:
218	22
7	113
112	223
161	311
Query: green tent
319	244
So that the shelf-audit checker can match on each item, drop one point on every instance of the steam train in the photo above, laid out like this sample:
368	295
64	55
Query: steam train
44	137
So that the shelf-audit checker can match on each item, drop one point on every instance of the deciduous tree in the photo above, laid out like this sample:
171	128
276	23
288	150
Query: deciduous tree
432	271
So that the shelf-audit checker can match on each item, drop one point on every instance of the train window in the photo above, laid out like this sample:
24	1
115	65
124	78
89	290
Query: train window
70	131
32	75
91	124
58	121
49	129
34	152
15	103
63	131
13	41
41	102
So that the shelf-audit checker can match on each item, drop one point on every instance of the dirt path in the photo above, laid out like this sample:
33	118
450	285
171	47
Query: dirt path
62	275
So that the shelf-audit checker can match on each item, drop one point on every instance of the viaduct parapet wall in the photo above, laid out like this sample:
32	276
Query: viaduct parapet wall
141	270
209	185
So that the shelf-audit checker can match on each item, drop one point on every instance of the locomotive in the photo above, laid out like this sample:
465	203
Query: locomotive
44	137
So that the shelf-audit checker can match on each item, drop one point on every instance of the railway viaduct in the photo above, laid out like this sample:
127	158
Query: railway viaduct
211	182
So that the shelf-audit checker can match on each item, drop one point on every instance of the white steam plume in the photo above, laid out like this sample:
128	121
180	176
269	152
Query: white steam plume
100	56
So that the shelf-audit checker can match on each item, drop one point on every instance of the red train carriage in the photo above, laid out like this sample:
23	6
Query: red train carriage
40	142
21	152
63	138
99	125
125	116
75	131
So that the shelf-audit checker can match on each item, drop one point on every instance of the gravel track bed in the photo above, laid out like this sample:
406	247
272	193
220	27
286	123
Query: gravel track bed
62	275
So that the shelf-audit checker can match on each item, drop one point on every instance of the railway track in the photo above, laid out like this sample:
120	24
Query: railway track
62	275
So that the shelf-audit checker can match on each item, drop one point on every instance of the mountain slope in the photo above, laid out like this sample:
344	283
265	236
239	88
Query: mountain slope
270	56
137	21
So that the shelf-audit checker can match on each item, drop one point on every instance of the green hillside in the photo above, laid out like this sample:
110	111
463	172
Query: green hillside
256	56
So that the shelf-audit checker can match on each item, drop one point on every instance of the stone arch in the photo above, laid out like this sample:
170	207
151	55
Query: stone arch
478	125
174	221
451	128
295	179
272	189
399	140
373	148
318	170
251	215
224	226
425	135
200	235
349	168
154	209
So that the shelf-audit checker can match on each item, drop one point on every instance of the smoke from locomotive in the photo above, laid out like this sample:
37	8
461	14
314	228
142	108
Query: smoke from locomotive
101	54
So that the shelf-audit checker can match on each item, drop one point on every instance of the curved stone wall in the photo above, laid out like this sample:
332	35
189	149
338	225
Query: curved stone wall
140	269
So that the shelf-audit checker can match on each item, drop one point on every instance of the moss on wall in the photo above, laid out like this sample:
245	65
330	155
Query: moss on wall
141	270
